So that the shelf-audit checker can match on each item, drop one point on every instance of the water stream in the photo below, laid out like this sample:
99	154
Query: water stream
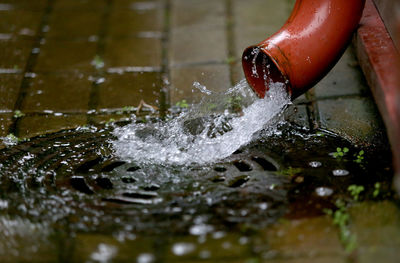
209	131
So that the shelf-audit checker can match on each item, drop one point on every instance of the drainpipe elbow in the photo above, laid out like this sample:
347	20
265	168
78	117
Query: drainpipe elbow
304	50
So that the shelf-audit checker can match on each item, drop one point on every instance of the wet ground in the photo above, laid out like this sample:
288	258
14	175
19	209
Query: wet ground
291	197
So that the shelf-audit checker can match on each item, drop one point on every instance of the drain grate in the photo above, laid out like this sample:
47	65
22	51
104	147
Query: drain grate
74	175
72	178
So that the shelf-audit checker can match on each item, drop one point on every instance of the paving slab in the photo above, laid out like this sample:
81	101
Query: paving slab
80	5
214	77
197	14
198	46
255	20
9	89
28	21
139	5
129	89
90	247
58	55
109	118
137	52
197	32
58	93
67	24
221	247
356	119
5	122
30	5
298	115
14	54
377	228
22	241
31	126
130	22
345	79
302	240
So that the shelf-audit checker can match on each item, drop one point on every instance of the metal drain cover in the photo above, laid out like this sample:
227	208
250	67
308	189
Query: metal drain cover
72	178
72	175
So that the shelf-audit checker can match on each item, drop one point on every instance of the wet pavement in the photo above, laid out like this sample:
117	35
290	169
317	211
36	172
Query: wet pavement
70	63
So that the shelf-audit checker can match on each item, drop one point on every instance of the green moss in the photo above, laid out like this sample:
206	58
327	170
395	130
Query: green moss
98	62
182	104
18	114
290	172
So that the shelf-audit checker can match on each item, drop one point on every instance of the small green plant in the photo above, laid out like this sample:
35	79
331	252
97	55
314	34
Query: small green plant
18	114
126	109
182	104
234	104
340	152
290	172
359	157
98	62
211	106
355	191
320	134
341	218
110	121
377	189
11	139
16	67
230	60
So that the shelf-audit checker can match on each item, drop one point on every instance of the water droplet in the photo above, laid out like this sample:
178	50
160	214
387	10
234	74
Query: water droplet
198	230
145	258
204	254
180	249
263	206
340	172
226	245
323	191
218	235
243	240
104	253
6	7
202	88
315	164
46	28
30	75
27	32
35	50
3	203
93	38
5	36
99	81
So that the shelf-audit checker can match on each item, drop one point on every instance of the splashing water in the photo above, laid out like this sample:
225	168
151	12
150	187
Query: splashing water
210	131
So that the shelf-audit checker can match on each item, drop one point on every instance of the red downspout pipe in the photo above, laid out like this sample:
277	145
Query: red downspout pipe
304	50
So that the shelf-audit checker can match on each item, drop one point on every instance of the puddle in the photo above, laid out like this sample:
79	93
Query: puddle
73	183
203	185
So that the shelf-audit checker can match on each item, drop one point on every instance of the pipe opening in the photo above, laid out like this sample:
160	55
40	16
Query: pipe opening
261	71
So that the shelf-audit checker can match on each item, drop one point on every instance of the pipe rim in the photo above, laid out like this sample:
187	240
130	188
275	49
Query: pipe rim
252	68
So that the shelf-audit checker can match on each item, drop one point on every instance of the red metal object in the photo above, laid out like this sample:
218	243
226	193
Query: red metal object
305	48
380	63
